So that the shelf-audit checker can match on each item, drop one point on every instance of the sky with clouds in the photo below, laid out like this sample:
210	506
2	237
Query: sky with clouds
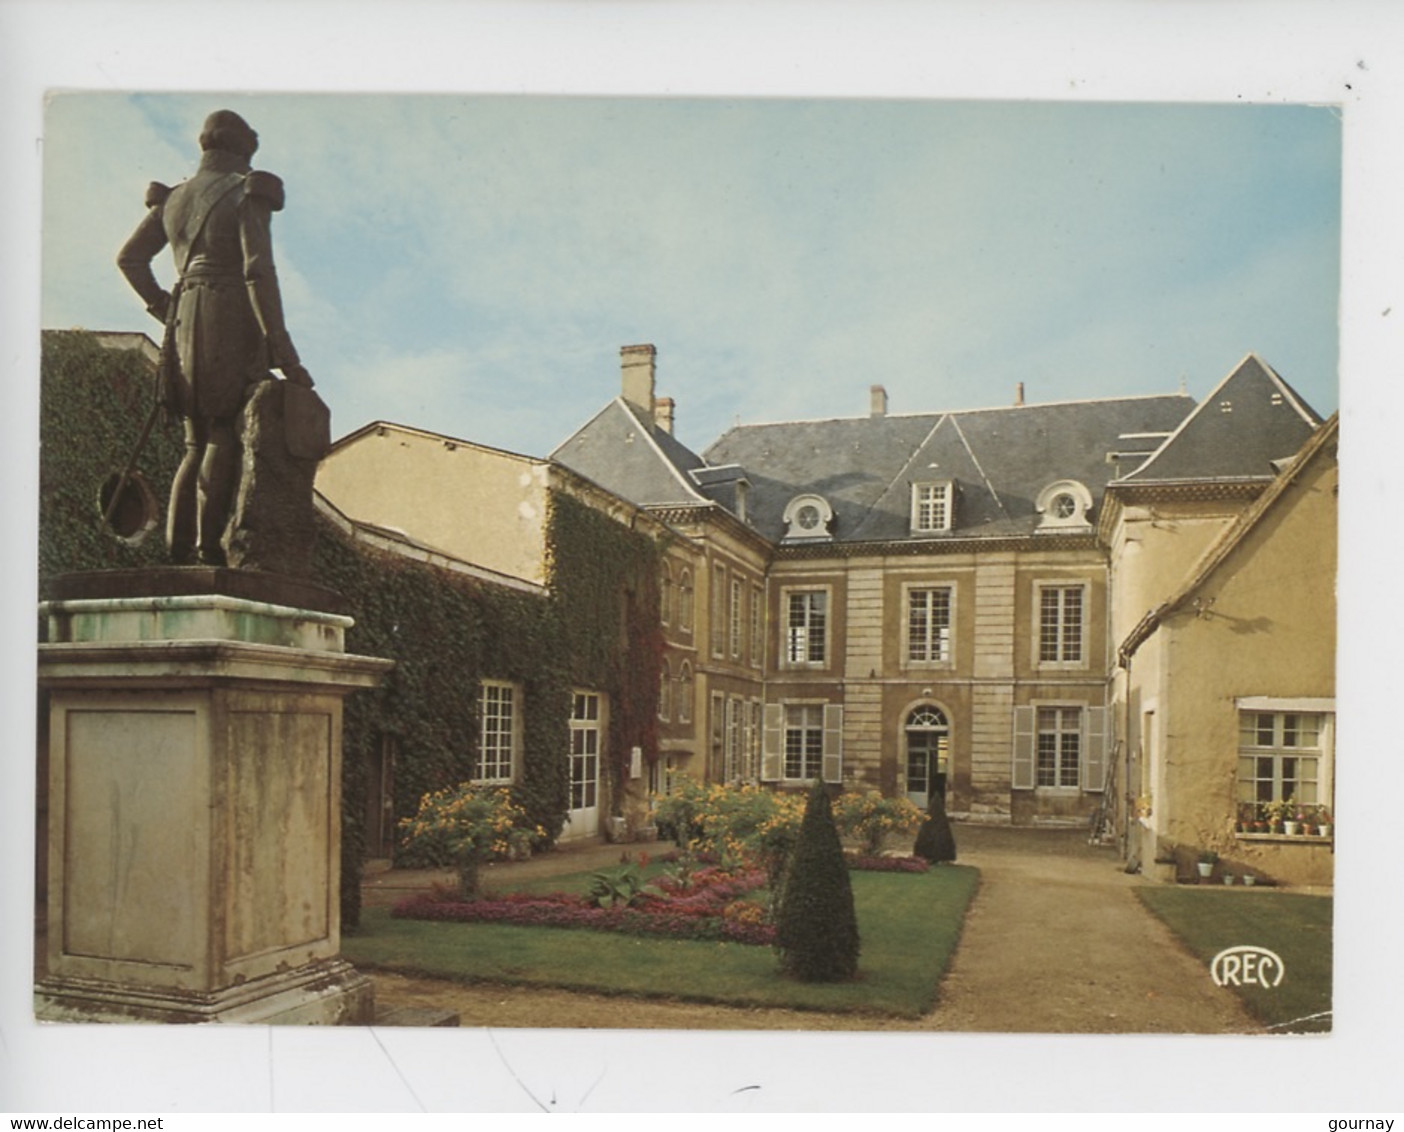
472	264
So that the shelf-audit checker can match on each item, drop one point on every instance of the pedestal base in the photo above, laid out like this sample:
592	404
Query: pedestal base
327	993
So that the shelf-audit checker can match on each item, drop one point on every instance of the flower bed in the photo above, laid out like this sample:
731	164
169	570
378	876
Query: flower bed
886	864
707	907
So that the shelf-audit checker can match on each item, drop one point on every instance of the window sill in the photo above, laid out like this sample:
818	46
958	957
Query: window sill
1291	838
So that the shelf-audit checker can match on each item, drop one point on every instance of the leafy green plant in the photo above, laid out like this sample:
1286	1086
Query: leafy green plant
869	817
465	826
816	926
618	887
935	840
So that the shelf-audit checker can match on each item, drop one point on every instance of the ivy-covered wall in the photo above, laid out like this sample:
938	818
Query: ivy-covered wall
446	631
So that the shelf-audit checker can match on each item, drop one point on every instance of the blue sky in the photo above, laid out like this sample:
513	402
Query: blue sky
472	264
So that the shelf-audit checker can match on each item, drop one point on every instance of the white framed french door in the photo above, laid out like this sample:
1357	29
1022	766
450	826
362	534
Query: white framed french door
586	744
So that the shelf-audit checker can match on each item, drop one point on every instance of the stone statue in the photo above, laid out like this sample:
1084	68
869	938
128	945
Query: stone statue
224	330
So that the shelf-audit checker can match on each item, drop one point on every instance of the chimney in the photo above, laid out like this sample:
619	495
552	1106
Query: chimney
877	404
1019	393
663	414
636	373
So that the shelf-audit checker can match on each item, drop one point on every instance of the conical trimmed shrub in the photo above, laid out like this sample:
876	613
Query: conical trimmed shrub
817	928
935	840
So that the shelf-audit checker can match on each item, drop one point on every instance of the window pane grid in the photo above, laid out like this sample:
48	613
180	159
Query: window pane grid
806	628
1058	752
1280	757
1060	624
804	741
497	707
929	625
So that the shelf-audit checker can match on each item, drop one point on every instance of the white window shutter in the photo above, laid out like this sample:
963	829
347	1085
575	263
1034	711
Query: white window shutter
1094	764
773	744
1023	772
833	742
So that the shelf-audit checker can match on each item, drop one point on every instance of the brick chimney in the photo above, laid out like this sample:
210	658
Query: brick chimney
877	401
663	414
1019	393
636	377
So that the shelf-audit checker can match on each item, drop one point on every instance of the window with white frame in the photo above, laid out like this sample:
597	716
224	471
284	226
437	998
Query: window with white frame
753	741
685	693
1282	756
1058	755
584	750
929	624
737	592
665	594
757	626
1061	623
731	767
804	741
717	726
718	601
931	506
498	732
806	626
685	600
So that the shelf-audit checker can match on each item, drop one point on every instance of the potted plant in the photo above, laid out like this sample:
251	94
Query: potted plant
1323	822
1207	860
1249	880
1291	818
1228	878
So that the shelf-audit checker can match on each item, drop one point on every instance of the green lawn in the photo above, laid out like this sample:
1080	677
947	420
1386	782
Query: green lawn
1296	927
909	923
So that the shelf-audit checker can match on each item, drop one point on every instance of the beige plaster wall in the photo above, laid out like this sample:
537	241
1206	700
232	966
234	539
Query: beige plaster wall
1266	626
478	504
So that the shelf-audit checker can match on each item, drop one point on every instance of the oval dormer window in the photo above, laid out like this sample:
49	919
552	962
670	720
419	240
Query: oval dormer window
1063	506
808	516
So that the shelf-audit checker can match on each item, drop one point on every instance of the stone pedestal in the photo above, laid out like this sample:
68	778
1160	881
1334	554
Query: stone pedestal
195	802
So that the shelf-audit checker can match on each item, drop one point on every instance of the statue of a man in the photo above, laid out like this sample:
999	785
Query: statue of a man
224	321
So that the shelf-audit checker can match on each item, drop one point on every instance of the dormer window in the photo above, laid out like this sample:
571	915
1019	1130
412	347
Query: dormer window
932	506
1063	507
808	517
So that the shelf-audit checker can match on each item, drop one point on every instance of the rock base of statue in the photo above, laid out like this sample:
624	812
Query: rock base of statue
285	431
193	799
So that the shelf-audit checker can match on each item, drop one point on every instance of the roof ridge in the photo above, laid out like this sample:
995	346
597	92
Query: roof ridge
658	449
974	459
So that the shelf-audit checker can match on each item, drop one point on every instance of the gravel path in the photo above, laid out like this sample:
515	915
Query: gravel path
1055	942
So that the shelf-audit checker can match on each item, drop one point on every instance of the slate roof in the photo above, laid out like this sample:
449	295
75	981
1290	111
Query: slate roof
1000	459
633	458
1250	421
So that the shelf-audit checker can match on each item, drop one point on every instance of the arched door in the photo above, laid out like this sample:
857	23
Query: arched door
928	741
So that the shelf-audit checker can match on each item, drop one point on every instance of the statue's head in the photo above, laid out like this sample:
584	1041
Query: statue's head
226	130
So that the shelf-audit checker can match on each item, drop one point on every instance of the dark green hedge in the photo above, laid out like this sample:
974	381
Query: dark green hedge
446	631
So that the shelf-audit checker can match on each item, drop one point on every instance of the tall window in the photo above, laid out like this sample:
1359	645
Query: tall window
685	693
732	769
736	597
497	712
804	741
1280	756
929	625
665	689
685	600
584	750
1060	624
665	594
757	626
718	600
753	742
931	506
806	627
1059	751
717	724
